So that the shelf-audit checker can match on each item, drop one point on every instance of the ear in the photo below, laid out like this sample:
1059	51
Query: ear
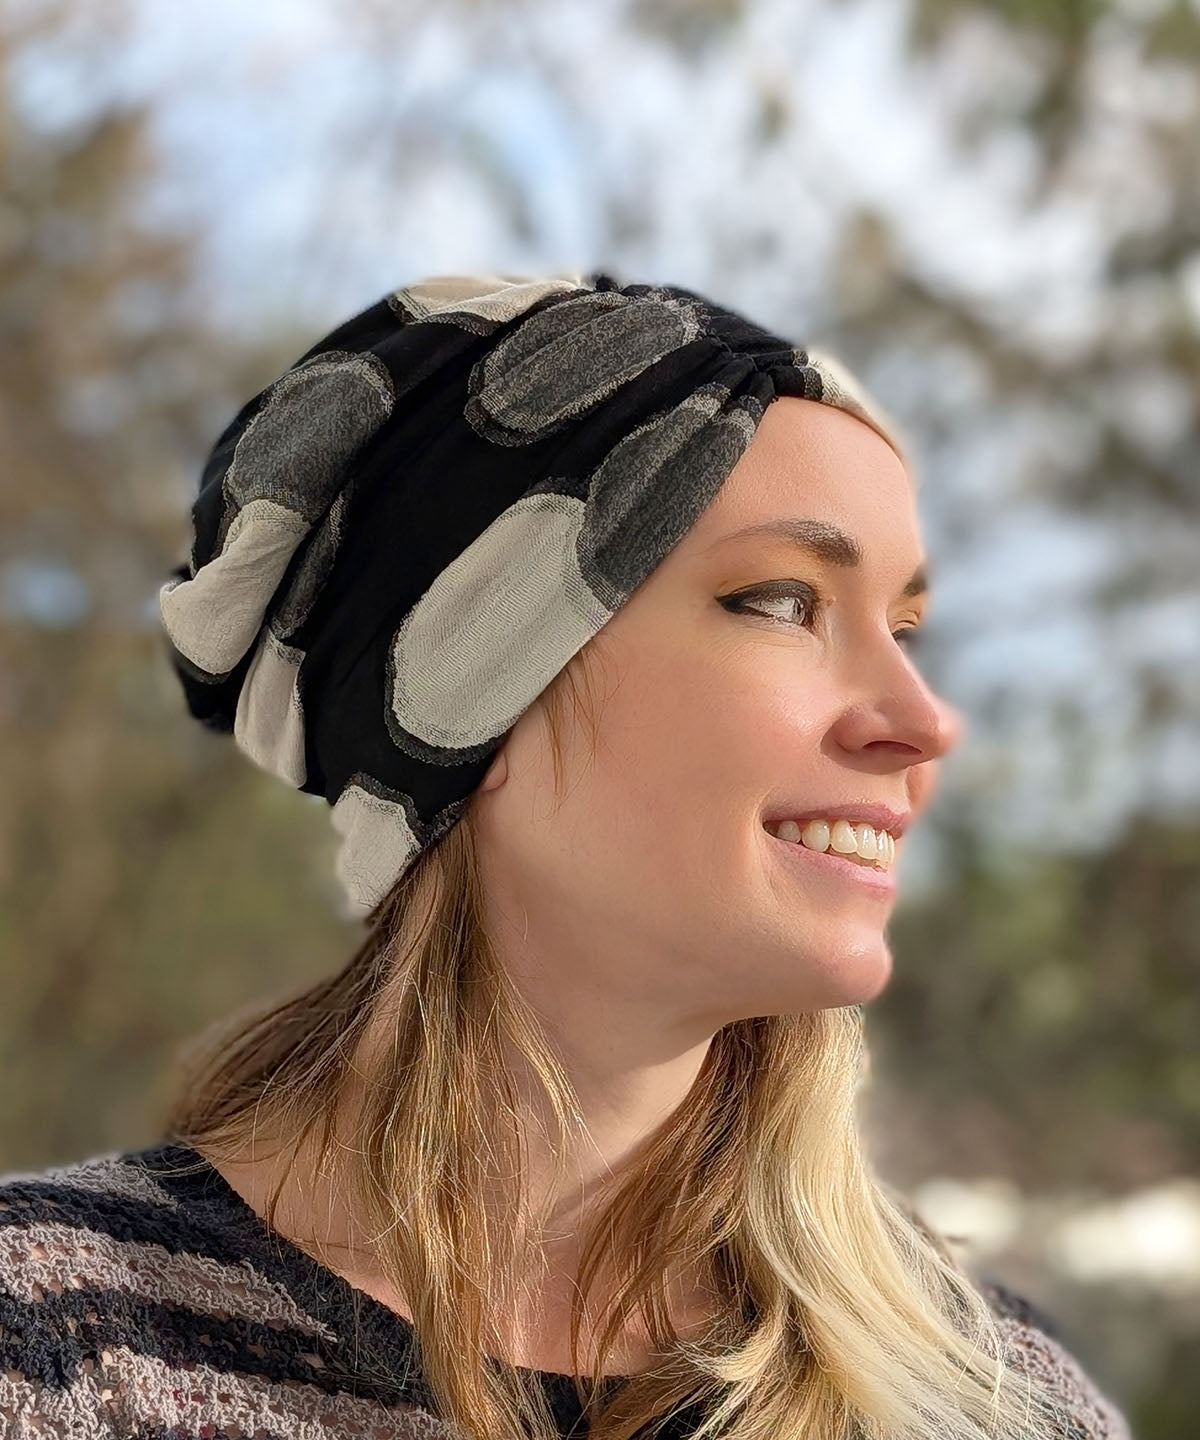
497	772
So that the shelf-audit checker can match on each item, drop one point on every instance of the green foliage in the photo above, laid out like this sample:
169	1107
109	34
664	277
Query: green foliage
1067	21
1043	1012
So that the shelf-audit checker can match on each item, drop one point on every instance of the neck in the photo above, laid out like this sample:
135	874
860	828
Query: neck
620	1108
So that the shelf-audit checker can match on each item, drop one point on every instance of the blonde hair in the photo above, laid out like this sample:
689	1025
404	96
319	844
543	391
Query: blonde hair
842	1316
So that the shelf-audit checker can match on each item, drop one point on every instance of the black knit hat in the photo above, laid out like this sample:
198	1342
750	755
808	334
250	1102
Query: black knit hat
401	541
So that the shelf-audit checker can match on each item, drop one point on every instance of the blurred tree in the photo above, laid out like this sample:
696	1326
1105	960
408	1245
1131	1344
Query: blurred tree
124	917
1059	992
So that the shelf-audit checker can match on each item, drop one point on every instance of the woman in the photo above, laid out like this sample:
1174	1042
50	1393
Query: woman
586	606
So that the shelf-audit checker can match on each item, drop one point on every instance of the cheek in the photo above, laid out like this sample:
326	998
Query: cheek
695	743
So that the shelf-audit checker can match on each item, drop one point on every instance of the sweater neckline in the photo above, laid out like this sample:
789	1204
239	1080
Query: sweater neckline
189	1175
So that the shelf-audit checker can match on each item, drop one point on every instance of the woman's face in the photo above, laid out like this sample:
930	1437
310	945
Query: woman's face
746	680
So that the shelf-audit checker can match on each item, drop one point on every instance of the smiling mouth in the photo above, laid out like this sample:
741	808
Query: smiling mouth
861	874
861	844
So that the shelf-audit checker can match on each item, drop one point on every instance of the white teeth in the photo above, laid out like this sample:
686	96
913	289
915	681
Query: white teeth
843	838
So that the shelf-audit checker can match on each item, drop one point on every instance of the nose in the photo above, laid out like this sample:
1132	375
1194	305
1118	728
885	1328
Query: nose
898	711
952	724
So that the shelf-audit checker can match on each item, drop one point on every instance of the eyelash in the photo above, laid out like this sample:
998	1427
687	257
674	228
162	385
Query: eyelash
815	605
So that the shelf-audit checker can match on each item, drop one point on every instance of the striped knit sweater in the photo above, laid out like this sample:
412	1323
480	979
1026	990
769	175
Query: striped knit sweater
141	1296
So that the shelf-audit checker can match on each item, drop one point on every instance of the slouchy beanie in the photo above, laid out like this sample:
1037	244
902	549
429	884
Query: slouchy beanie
398	543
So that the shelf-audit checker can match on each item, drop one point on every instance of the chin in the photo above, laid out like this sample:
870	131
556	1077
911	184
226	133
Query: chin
857	975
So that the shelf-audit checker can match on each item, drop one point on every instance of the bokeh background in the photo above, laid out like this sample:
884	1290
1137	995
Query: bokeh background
990	210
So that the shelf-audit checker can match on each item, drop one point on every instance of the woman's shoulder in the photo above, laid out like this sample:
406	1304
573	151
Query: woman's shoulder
1035	1345
139	1295
83	1226
69	1235
139	1228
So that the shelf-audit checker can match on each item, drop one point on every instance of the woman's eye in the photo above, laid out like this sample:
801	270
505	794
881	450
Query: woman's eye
811	604
784	596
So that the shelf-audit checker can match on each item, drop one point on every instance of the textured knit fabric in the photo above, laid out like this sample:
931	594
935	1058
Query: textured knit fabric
400	541
137	1302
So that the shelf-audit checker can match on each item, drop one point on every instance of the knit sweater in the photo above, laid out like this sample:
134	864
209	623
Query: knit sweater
140	1300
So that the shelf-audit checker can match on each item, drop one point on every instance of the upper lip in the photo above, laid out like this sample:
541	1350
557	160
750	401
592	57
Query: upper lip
881	817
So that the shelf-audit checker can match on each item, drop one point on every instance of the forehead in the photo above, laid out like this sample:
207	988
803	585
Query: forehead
811	459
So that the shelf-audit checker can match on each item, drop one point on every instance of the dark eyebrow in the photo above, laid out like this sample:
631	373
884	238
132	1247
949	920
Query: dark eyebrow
827	542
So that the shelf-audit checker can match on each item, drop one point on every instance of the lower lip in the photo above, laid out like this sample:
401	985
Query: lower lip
828	862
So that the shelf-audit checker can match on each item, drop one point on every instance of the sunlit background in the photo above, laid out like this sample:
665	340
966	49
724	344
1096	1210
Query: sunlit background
990	211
